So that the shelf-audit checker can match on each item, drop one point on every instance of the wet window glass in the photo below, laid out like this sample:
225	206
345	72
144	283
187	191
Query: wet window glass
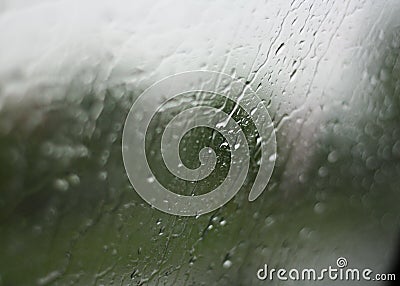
322	79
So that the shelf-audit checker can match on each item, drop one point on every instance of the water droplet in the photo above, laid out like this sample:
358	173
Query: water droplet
305	233
224	144
319	208
272	158
323	171
192	260
227	264
302	178
269	221
396	149
102	176
61	185
74	179
372	163
333	157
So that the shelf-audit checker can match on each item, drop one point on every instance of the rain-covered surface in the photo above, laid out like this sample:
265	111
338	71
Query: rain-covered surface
328	72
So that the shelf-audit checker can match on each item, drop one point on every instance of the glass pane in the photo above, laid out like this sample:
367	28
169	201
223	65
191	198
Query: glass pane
327	73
